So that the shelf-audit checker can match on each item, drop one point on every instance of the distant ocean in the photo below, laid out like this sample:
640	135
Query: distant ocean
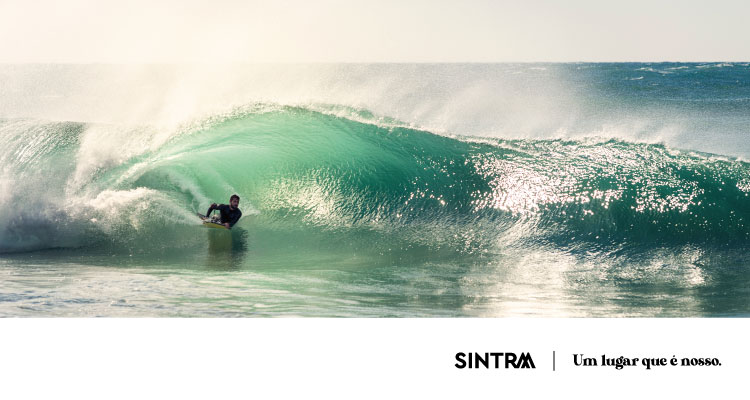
376	190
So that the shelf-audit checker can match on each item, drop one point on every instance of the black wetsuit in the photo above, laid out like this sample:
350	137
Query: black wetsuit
227	214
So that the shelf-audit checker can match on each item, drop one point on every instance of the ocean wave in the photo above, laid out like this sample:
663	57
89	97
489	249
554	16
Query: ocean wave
649	69
716	65
330	175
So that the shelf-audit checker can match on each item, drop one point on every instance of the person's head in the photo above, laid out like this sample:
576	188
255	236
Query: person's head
234	201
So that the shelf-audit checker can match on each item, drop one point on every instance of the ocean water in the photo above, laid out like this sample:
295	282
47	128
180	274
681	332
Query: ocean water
382	190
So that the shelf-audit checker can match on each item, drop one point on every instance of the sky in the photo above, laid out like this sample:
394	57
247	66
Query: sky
298	31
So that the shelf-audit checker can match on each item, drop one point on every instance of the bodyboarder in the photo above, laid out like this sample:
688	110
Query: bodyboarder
229	213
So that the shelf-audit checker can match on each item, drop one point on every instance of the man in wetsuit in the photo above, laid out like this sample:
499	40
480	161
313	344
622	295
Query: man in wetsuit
230	214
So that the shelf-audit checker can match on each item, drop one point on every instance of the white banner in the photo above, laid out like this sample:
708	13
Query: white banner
373	358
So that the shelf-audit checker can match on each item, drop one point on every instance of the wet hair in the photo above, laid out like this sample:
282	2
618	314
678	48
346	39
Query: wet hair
234	196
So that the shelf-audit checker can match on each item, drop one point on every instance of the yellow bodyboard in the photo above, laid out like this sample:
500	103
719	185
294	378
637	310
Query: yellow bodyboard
211	223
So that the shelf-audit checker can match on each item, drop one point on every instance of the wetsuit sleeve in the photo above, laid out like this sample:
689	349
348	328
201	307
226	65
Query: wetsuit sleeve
208	213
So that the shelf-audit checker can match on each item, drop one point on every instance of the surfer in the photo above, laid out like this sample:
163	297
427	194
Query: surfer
230	214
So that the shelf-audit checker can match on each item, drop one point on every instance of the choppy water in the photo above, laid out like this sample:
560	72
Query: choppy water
531	190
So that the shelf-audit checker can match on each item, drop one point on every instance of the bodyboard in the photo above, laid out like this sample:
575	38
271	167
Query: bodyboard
212	222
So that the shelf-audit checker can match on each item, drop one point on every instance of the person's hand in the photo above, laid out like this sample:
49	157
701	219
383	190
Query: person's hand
227	225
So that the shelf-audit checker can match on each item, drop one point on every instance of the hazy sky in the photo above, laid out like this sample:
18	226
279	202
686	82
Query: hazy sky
83	31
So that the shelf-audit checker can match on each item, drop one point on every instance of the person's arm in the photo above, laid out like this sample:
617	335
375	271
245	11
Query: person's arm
210	208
